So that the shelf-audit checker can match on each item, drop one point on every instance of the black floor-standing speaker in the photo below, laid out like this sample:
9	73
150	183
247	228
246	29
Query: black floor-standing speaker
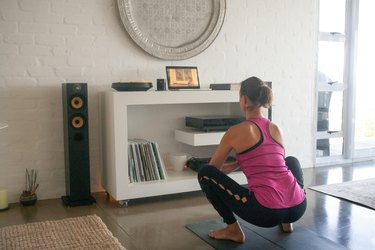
76	145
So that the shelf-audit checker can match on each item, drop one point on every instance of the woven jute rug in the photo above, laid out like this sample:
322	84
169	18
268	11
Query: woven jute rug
361	192
87	232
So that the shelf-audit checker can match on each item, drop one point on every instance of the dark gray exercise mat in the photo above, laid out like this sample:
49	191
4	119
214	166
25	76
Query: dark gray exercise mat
265	238
253	240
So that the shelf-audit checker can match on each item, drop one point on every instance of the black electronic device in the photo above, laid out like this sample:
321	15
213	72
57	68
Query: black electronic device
196	164
225	86
132	86
161	85
76	144
210	123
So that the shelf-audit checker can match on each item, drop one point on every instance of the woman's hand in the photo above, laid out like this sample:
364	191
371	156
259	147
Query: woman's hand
227	168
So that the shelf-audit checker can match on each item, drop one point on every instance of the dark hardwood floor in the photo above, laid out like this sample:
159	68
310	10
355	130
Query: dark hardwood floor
159	222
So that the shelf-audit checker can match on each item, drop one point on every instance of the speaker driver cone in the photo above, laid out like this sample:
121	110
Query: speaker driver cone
78	122
76	102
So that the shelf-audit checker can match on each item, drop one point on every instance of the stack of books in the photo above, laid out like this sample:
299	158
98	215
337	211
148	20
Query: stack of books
144	161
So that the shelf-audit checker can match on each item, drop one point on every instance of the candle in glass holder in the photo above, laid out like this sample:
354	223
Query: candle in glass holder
3	200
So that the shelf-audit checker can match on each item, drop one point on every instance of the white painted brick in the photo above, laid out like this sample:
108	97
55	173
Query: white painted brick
79	61
105	17
35	6
37	71
63	8
99	8
101	54
68	71
63	29
48	81
8	5
53	61
82	78
102	60
61	51
99	3
97	71
17	82
91	29
8	49
26	104
34	50
79	41
19	39
2	84
33	28
79	1
83	51
105	41
16	15
48	18
11	71
14	132
8	27
18	60
78	19
47	143
47	39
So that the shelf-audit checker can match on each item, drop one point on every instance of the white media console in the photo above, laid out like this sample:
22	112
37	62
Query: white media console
159	116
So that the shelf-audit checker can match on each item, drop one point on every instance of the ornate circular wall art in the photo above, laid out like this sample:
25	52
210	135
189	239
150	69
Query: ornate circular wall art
172	29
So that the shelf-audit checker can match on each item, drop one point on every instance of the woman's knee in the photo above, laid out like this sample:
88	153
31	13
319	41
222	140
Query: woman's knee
295	167
292	161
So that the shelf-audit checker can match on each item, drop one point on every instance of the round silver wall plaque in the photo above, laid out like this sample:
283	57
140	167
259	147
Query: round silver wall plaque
172	29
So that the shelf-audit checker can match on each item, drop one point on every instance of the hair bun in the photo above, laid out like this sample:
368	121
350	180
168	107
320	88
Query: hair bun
257	91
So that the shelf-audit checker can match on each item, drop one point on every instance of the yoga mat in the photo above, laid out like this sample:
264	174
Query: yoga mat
265	238
253	240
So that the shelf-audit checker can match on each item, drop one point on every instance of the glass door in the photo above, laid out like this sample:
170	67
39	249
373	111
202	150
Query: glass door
345	84
330	80
364	141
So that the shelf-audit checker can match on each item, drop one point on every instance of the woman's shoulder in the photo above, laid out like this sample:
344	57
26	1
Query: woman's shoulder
242	125
276	132
243	128
274	127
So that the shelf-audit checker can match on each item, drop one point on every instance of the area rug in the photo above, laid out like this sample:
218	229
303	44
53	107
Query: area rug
361	192
264	238
86	232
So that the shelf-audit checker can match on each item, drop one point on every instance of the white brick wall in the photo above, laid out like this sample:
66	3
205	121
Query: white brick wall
44	43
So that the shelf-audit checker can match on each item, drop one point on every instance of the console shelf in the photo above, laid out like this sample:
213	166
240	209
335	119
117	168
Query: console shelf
158	116
198	138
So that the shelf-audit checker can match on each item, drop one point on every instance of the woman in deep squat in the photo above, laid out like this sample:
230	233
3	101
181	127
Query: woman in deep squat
274	194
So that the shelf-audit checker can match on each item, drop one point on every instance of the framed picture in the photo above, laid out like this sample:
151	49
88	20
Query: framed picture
182	77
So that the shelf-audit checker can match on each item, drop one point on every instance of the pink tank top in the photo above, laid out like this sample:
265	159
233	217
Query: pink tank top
268	177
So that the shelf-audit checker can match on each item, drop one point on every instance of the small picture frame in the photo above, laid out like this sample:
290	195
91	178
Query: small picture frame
182	77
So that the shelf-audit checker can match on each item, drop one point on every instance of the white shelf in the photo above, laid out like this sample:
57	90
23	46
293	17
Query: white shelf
175	97
198	138
156	116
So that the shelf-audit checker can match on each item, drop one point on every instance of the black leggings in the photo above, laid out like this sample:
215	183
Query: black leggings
229	198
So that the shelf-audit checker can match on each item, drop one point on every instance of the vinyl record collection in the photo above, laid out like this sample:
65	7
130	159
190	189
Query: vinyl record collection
144	161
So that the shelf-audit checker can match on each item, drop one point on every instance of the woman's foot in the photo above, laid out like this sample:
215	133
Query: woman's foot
287	227
232	232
